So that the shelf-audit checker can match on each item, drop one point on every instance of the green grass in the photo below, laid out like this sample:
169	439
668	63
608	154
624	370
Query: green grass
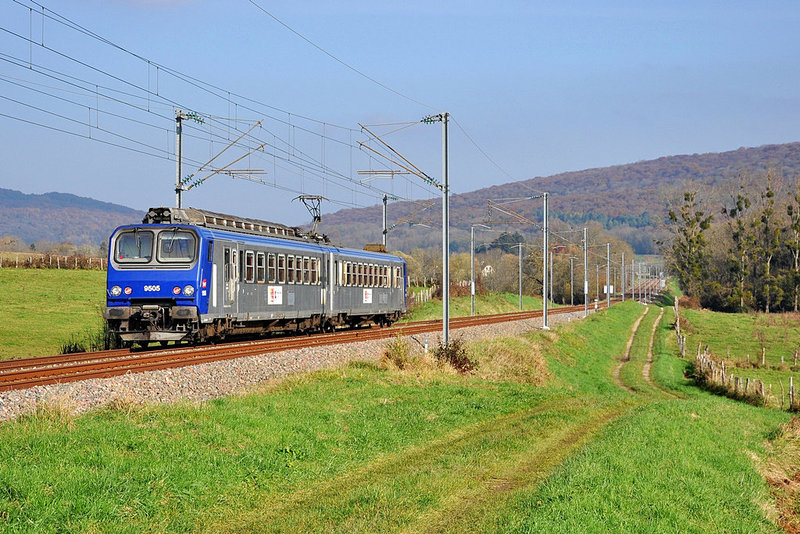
678	465
370	449
43	308
744	334
485	304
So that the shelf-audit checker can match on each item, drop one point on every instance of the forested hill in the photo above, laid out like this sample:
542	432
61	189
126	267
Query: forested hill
630	200
60	218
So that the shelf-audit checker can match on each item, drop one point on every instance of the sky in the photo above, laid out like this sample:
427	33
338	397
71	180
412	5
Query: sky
89	90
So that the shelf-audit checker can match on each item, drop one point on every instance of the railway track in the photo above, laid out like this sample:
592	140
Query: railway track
38	371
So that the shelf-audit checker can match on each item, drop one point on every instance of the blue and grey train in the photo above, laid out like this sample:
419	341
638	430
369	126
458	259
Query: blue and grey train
194	275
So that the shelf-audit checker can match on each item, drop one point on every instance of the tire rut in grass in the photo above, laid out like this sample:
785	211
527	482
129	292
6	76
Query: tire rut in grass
649	363
465	509
324	503
626	357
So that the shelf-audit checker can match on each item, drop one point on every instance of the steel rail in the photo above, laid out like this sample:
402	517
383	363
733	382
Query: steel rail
29	372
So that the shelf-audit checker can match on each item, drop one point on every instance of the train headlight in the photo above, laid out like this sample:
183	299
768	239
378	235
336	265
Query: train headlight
116	291
176	290
188	291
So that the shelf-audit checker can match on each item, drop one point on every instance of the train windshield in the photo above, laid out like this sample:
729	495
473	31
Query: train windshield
134	247
176	246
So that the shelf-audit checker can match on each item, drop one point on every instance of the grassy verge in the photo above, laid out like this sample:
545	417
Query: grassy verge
486	304
44	308
679	465
355	449
539	439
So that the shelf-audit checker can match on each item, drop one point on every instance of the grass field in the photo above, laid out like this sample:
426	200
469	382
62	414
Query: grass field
743	335
44	308
540	439
485	304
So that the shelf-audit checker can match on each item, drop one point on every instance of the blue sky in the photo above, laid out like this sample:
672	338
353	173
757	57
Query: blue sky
541	87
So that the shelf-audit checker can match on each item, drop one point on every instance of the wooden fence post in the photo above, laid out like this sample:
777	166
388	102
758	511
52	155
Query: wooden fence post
782	392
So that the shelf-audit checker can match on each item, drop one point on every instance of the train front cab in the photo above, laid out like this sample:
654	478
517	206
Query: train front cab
157	282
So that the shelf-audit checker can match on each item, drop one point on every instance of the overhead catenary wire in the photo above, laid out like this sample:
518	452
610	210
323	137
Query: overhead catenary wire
148	99
315	45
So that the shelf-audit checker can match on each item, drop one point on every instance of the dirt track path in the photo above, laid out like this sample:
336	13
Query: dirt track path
627	355
649	363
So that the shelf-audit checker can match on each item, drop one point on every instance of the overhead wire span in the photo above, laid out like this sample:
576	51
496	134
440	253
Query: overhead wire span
147	100
481	150
315	45
61	19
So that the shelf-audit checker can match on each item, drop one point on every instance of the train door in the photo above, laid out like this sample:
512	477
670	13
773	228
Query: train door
230	278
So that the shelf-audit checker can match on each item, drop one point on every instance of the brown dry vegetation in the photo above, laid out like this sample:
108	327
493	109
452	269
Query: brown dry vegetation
781	469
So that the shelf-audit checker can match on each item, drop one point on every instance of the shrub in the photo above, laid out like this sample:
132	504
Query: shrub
454	354
398	351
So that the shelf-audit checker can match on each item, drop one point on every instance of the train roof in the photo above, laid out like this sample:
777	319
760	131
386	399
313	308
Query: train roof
255	227
231	223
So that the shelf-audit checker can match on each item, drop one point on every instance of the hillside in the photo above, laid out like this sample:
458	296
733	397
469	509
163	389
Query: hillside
630	200
60	217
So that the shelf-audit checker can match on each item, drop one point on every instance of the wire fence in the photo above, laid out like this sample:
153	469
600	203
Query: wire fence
51	261
714	374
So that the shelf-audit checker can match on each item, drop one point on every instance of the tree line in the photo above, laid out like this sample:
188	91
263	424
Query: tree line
497	265
741	255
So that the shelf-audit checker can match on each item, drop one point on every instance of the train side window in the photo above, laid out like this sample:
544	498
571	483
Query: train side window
250	268
290	269
306	270
210	250
384	277
281	269
360	274
241	266
371	276
234	263
314	271
227	265
260	268
298	270
340	273
271	268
